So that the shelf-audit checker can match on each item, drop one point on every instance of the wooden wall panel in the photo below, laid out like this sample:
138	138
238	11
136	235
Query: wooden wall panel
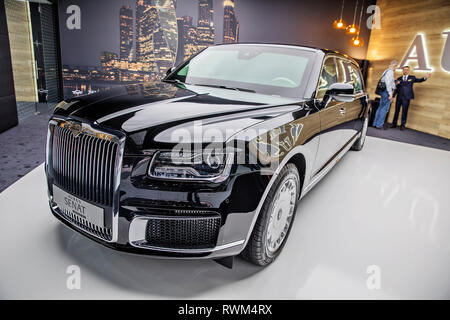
22	53
401	21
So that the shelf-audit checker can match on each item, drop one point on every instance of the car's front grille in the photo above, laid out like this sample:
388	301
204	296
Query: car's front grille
85	161
84	165
182	233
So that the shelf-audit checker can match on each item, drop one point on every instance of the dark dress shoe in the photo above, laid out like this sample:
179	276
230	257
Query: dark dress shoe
393	125
385	127
402	128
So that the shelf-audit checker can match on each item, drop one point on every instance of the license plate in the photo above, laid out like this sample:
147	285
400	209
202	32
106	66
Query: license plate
69	203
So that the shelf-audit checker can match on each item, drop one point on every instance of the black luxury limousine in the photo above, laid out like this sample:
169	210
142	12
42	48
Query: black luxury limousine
211	161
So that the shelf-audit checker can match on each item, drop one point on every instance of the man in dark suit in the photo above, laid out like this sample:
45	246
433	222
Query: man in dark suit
405	93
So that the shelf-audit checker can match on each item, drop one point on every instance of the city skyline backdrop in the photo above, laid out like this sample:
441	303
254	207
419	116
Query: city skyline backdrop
151	39
92	12
138	40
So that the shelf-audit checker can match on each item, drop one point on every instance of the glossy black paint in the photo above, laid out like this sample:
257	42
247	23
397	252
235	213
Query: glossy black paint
148	113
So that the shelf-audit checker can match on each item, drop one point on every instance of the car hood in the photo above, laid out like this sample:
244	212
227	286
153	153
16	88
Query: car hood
152	112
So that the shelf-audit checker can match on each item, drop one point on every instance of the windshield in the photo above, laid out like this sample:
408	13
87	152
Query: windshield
272	70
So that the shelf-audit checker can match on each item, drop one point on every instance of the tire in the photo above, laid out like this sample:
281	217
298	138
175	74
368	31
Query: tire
259	248
359	143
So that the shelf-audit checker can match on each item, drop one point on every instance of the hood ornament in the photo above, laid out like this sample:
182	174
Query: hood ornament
75	127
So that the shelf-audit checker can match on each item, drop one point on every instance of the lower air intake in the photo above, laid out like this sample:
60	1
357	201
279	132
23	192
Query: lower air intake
183	233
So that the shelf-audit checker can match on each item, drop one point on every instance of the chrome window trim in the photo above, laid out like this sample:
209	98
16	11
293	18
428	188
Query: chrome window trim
115	136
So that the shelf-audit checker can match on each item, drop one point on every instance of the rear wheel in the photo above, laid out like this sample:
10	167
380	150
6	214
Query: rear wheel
275	219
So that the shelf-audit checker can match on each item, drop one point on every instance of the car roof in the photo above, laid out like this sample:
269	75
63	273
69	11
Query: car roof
309	48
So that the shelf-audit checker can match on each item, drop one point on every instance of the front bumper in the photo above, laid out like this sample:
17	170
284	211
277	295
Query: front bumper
76	164
231	201
231	240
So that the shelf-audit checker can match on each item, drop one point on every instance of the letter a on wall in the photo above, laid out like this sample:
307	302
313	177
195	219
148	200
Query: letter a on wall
445	61
417	52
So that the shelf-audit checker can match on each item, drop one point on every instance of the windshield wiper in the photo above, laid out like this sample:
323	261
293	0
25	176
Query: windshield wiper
225	87
209	85
173	81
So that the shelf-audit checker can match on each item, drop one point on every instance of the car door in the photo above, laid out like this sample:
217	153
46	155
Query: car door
349	72
331	116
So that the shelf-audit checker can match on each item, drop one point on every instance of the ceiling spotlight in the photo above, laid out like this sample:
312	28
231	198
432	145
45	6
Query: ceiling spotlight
357	41
340	23
352	29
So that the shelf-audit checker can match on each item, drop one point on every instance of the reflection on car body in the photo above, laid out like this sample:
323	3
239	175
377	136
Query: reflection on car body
210	162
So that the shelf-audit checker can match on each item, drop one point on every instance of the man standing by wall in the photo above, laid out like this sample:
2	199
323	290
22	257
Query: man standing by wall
405	93
386	96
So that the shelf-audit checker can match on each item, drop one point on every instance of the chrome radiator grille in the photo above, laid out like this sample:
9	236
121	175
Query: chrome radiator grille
84	165
100	232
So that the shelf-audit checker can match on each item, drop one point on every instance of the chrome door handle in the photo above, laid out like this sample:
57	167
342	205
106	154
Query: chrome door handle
342	111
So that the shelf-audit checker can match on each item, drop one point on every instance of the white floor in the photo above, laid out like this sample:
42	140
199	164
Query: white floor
387	206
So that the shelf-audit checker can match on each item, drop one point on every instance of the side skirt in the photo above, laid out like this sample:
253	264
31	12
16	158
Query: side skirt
330	164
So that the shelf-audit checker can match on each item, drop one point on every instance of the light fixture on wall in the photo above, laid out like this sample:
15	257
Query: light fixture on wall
340	23
357	41
353	29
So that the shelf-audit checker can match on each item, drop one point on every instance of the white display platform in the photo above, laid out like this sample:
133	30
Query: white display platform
388	205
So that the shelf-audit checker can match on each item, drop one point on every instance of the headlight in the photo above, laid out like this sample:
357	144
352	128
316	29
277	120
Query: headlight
191	166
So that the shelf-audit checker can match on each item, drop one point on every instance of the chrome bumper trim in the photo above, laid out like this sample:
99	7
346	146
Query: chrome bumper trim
136	236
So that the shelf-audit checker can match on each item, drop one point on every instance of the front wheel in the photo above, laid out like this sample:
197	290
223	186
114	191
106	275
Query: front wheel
275	219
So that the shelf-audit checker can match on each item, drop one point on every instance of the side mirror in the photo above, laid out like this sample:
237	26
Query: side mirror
343	92
170	70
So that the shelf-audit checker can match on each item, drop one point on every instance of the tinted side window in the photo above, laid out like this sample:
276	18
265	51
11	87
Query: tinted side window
349	73
328	76
343	72
356	76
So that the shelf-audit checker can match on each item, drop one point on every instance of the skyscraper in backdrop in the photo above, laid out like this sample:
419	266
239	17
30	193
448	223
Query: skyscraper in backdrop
188	37
165	36
107	60
230	23
156	35
205	25
146	16
126	33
